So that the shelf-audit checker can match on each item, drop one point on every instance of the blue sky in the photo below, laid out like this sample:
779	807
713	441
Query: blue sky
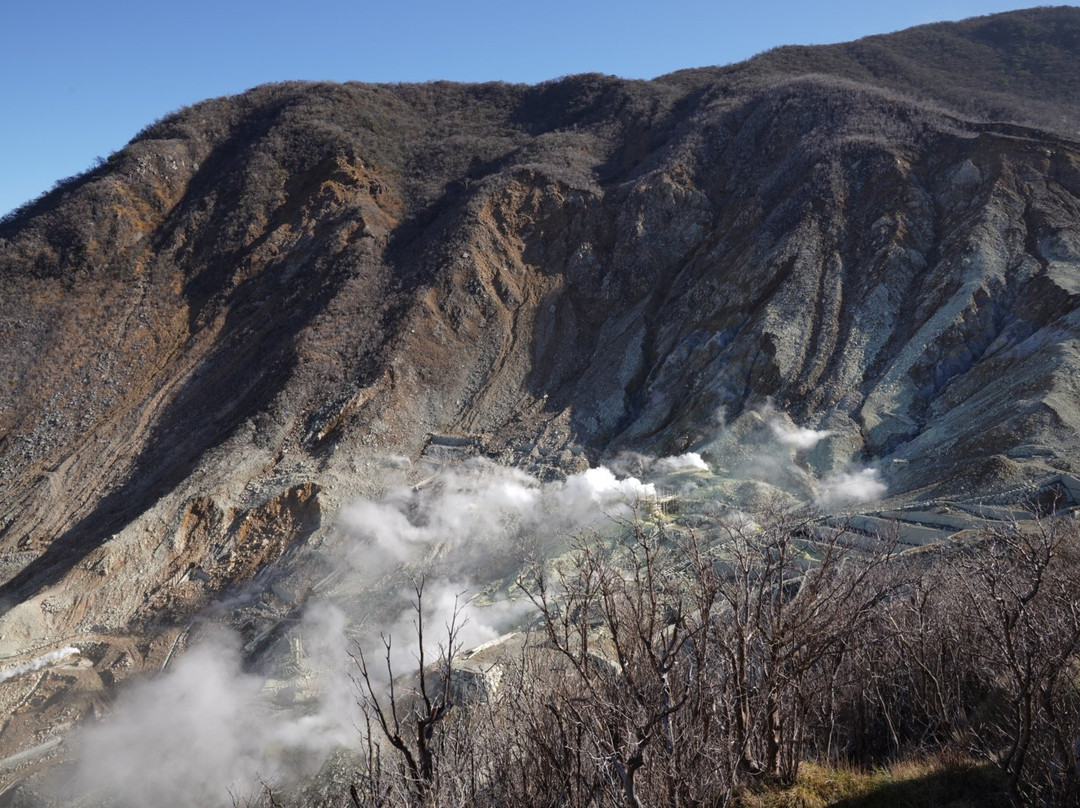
78	79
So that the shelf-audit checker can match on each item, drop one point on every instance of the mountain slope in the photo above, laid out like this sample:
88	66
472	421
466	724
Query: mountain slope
215	339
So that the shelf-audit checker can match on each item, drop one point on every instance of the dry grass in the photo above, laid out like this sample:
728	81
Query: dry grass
939	781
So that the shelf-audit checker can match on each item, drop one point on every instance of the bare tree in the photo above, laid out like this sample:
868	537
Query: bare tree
1021	593
800	601
408	725
979	652
625	622
669	666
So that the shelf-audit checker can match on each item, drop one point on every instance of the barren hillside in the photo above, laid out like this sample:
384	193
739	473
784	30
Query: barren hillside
215	339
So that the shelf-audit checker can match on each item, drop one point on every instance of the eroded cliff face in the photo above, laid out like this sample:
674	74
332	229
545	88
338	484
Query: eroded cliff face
216	339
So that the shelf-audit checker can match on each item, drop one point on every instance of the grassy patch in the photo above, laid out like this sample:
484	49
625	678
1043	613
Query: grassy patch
934	782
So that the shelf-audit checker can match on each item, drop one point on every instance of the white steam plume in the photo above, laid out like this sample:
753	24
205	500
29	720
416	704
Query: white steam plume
592	495
798	437
193	737
207	730
689	460
36	664
767	446
849	488
445	603
628	464
477	505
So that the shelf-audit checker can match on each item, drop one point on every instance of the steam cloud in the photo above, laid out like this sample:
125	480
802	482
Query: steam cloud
192	737
690	460
802	438
776	440
208	733
799	437
630	464
850	487
36	664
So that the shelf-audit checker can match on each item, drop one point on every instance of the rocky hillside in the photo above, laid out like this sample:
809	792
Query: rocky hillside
217	337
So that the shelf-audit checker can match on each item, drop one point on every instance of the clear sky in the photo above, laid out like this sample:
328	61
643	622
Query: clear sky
78	79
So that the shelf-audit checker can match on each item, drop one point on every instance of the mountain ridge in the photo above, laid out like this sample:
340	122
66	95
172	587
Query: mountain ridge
217	338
